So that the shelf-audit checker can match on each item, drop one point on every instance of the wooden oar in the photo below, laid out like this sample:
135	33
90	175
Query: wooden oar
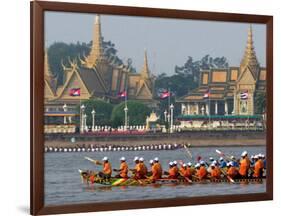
93	161
187	179
222	154
187	150
228	177
82	179
194	176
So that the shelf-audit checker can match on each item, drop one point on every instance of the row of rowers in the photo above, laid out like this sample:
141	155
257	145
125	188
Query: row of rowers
242	168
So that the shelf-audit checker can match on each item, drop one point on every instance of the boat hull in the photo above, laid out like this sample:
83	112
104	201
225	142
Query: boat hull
91	178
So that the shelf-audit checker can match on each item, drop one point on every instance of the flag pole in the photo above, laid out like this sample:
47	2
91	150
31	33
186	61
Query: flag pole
169	99
169	111
209	108
209	102
126	108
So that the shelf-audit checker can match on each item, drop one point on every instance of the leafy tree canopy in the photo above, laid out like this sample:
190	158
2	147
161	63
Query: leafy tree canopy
137	113
102	108
260	102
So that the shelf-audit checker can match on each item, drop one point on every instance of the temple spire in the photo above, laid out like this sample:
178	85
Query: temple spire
48	74
250	58
47	71
96	52
145	70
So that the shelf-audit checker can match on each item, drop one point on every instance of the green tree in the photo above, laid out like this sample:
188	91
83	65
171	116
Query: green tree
186	77
137	113
260	102
102	108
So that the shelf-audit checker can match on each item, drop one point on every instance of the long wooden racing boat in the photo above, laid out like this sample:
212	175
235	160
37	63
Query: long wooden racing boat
89	177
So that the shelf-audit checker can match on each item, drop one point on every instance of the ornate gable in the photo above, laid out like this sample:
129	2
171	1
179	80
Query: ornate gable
74	81
143	91
246	80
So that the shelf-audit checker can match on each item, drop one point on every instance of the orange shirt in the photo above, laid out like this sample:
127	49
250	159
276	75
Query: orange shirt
244	167
201	172
140	170
258	168
215	173
187	172
107	168
173	173
124	170
248	162
232	172
144	168
182	170
156	170
137	167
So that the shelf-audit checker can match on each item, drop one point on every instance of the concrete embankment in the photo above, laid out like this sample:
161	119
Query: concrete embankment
198	138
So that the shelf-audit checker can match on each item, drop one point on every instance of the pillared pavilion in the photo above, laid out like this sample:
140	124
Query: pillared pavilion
228	91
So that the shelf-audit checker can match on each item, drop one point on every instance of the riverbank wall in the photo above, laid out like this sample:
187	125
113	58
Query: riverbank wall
195	138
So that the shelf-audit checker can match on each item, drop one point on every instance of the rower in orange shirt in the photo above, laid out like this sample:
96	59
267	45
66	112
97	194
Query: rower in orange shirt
173	174
201	171
232	171
123	171
156	169
143	168
137	169
244	165
215	172
258	167
140	169
185	171
182	169
106	172
175	167
189	170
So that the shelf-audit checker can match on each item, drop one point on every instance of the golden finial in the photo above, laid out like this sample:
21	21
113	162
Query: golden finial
96	52
250	58
145	70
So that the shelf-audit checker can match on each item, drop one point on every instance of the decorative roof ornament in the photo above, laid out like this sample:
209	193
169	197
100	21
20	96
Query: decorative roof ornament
250	58
82	61
97	52
73	63
62	64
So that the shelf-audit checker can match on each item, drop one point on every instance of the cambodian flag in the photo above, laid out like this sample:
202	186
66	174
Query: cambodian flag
244	95
74	92
122	94
206	94
165	95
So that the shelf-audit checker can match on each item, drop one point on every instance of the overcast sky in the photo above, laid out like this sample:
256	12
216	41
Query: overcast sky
168	41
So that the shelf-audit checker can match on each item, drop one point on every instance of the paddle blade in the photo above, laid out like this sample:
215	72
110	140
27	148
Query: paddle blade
231	180
218	151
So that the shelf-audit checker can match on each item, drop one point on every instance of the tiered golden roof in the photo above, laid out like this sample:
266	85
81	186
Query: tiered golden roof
97	52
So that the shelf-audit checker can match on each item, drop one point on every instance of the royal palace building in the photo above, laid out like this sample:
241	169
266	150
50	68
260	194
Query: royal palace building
228	91
96	76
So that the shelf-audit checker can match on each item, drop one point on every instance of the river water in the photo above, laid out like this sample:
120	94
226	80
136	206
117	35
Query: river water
63	184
